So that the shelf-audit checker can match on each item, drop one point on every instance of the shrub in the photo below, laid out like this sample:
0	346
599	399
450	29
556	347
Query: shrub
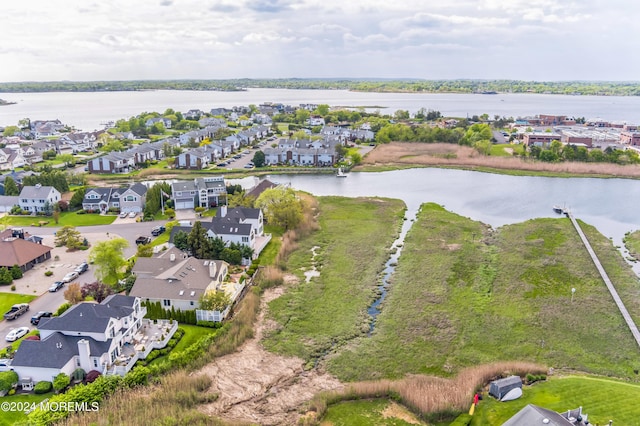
7	380
12	392
48	273
16	272
138	376
42	387
62	309
60	382
13	287
210	324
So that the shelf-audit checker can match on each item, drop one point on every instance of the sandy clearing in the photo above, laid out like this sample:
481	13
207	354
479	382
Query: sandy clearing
257	386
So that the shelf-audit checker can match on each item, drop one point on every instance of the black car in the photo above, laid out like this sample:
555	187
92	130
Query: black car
56	286
157	230
143	240
35	320
82	268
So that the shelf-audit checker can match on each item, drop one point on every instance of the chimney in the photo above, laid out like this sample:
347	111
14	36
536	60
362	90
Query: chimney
172	257
223	211
84	353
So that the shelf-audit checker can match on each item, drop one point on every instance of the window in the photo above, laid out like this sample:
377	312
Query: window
245	239
191	303
95	362
166	302
130	198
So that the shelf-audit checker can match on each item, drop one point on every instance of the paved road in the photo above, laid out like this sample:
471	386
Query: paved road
127	228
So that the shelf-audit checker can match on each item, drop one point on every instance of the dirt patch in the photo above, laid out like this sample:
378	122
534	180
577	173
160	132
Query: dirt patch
396	411
450	155
257	386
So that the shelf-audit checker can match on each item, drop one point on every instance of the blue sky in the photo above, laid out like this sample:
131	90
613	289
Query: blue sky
183	39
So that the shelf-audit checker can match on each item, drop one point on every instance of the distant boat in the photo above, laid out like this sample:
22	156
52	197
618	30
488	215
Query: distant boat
340	173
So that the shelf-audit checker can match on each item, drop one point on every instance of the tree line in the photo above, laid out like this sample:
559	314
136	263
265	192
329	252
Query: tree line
606	88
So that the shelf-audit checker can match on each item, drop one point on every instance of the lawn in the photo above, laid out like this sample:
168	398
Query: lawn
505	150
464	294
191	335
66	218
330	310
601	399
632	243
369	412
9	417
7	300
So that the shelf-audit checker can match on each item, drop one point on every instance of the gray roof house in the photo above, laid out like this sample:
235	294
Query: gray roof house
201	192
534	415
177	281
88	335
36	198
131	199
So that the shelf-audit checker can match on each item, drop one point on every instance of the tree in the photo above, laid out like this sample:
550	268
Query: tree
10	187
96	290
144	250
68	160
302	115
322	109
198	241
69	237
109	260
73	294
281	207
77	198
16	272
258	159
10	131
214	301
5	276
180	240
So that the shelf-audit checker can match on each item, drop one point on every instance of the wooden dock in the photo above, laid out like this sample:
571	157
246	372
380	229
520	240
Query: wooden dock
612	290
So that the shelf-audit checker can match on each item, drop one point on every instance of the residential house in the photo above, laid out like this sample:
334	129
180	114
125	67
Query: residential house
45	128
193	114
37	198
262	186
201	192
7	202
131	199
535	415
197	158
10	160
113	162
88	335
540	139
164	121
18	248
176	280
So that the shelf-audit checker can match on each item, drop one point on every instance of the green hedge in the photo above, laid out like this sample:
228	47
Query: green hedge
156	311
42	387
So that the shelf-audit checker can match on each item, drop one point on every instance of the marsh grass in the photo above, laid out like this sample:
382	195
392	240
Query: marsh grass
353	237
428	396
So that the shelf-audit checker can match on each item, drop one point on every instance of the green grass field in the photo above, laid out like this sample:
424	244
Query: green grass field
464	295
601	399
66	218
505	150
632	243
330	310
191	335
11	417
7	300
368	413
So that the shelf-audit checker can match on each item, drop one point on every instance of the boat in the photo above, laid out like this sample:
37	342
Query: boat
341	174
558	209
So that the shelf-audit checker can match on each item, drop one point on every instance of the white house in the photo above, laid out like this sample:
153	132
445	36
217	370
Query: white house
36	198
88	335
176	280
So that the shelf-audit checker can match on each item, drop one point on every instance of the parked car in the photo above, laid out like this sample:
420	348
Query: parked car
5	364
143	240
223	164
70	277
82	268
237	157
16	333
16	310
249	166
56	286
35	320
157	230
132	215
123	215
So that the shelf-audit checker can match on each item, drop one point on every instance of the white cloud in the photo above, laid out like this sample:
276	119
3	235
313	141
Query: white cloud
47	40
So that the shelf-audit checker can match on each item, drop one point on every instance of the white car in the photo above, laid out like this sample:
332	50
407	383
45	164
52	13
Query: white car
70	277
132	215
123	215
16	333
